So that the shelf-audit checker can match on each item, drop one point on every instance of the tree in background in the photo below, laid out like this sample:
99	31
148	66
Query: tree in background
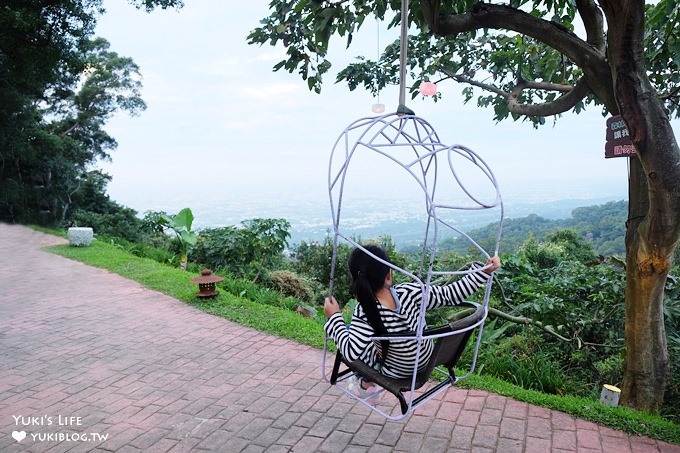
94	208
58	86
526	60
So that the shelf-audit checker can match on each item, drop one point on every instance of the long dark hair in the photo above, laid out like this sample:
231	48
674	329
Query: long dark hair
368	276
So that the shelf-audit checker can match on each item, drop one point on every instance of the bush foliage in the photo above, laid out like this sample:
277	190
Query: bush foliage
245	251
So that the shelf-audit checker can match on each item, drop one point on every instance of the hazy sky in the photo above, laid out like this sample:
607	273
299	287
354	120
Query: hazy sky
221	124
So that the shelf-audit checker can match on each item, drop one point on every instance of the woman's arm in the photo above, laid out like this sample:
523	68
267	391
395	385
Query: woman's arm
353	340
458	291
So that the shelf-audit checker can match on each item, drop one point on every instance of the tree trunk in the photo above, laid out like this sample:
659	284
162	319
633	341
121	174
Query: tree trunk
654	220
646	365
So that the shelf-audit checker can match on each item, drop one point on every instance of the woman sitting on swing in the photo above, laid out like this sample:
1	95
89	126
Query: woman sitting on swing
384	308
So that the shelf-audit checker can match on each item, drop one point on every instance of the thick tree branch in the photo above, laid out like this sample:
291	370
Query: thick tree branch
671	94
524	320
502	17
70	129
593	21
470	81
588	55
430	9
573	95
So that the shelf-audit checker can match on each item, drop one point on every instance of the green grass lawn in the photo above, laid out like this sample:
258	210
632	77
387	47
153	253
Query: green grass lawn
287	324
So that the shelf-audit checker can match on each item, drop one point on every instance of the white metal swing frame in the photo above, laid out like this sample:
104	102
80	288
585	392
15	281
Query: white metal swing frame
388	136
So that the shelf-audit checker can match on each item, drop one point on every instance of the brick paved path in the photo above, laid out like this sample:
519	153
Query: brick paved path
87	354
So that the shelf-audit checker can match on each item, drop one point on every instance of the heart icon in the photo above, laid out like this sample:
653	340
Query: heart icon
19	435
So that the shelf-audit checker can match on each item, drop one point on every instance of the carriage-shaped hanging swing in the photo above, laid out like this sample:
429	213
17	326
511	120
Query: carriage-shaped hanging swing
444	175
448	178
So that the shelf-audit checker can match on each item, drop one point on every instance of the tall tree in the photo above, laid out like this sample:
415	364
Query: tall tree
75	119
531	59
58	86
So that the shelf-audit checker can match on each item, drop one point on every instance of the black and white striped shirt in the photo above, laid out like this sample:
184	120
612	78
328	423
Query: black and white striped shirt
354	340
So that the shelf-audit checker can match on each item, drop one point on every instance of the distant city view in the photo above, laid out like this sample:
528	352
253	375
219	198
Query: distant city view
310	216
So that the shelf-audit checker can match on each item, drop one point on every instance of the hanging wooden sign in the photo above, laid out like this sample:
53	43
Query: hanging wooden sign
618	142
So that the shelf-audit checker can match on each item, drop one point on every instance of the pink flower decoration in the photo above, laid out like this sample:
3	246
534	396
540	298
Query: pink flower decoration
428	89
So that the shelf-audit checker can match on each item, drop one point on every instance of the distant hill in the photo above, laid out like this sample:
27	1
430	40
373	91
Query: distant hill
604	226
404	220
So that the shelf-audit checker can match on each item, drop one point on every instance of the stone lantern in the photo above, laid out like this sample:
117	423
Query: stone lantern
206	284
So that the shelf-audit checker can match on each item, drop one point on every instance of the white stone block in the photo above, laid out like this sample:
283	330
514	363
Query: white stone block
80	236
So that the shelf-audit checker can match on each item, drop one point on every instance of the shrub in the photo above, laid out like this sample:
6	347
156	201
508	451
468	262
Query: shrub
244	251
266	296
313	260
610	369
521	361
290	284
121	223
